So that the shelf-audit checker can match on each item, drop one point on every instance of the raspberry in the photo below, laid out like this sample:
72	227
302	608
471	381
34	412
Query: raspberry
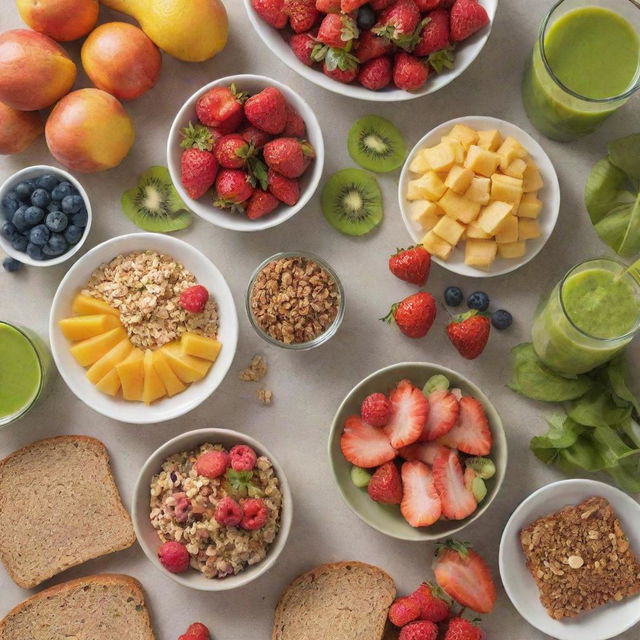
196	631
174	557
255	514
194	299
376	410
243	458
228	513
212	464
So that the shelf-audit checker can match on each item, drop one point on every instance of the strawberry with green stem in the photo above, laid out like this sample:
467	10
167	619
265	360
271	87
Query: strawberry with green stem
414	315
233	189
198	164
469	333
401	24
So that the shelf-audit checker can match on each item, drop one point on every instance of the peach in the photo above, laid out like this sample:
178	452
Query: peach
120	59
35	71
89	130
18	129
62	20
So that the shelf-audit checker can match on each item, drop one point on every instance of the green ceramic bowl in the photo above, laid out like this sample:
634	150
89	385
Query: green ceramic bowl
388	519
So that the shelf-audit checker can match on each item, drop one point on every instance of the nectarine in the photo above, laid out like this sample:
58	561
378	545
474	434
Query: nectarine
62	20
18	129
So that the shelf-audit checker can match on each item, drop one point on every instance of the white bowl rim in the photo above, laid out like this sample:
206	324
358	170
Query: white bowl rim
551	182
44	168
221	218
251	573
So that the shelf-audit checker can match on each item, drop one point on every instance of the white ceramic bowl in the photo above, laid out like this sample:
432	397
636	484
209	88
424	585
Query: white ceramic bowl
204	206
549	195
466	53
603	623
206	273
27	174
148	536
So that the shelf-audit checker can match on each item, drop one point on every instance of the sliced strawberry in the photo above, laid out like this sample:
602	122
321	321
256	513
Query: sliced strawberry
472	433
443	414
424	451
365	446
420	505
385	485
409	414
458	502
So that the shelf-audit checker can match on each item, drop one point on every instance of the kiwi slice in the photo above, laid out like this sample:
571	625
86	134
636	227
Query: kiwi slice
376	144
352	202
154	204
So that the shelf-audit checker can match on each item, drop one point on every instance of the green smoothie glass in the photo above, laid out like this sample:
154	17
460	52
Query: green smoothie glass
589	317
585	65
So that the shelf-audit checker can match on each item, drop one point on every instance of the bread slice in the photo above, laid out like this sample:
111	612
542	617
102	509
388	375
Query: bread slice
59	507
102	607
342	601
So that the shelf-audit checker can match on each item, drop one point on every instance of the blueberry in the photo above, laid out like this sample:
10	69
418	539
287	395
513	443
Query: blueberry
10	204
24	190
478	300
453	296
366	17
501	319
19	243
80	219
62	190
9	231
34	216
48	182
56	246
53	206
40	198
35	252
19	219
72	234
57	221
12	265
72	204
39	235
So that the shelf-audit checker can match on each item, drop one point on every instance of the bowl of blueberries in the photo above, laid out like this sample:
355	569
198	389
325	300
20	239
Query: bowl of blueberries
45	216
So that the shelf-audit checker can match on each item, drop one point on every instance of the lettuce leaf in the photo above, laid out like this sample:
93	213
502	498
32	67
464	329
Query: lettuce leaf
624	153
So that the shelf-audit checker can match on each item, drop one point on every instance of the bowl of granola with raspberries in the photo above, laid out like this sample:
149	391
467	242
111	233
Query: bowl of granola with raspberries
212	509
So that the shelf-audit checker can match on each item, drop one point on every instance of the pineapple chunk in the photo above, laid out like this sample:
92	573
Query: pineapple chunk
436	246
506	189
172	383
474	231
441	157
492	216
187	368
459	179
482	161
110	384
479	191
516	168
512	250
528	229
458	207
194	344
489	140
508	230
428	187
509	150
425	213
131	374
530	206
153	387
532	180
480	253
464	134
449	229
92	349
109	360
83	327
419	164
456	147
86	305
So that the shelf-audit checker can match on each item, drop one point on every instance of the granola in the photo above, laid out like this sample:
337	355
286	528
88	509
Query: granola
145	287
265	396
580	558
256	370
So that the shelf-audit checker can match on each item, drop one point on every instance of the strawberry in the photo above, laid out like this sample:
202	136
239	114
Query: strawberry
267	110
328	6
198	171
221	108
435	35
414	315
232	151
380	5
433	606
346	76
403	611
469	334
385	485
465	576
467	17
255	136
409	411
295	126
411	265
472	433
399	23
376	410
365	446
457	501
261	203
302	14
423	451
462	629
285	189
199	137
442	417
232	189
419	630
420	504
272	12
288	156
347	6
196	631
302	45
409	72
371	46
427	5
337	30
376	74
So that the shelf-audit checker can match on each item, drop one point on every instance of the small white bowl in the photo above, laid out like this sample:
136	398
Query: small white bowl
206	273
32	172
227	219
467	52
148	536
549	195
600	624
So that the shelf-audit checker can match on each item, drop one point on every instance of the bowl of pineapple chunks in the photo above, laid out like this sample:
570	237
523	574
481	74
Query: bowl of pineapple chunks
127	341
481	196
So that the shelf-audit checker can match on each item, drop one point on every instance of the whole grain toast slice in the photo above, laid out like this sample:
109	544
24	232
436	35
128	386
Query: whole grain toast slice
341	601
101	607
59	507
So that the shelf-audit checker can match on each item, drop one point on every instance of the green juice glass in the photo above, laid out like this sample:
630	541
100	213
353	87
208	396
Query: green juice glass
585	65
589	317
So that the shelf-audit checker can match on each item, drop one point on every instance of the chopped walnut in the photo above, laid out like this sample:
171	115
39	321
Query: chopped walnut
265	396
256	370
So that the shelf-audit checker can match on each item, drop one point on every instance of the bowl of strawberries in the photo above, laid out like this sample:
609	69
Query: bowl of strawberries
378	50
418	451
245	153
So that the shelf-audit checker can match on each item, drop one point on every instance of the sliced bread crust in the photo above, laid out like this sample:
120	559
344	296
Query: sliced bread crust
59	507
340	601
100	607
